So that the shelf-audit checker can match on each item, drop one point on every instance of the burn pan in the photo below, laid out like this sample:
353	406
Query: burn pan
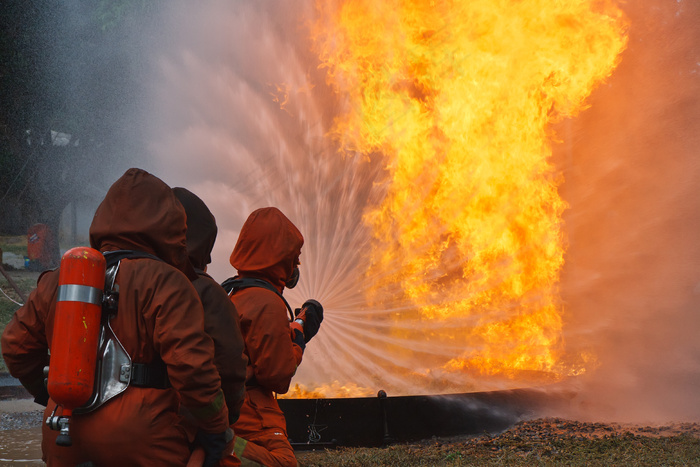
382	420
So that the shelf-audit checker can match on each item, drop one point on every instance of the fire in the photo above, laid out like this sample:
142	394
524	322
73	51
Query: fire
332	390
458	99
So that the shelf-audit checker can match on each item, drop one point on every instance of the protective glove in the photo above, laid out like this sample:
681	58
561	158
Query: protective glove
215	445
42	398
37	388
311	313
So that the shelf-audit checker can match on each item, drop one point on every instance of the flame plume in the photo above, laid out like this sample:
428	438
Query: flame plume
458	99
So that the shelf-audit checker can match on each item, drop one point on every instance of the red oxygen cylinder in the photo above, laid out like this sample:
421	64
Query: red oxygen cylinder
76	328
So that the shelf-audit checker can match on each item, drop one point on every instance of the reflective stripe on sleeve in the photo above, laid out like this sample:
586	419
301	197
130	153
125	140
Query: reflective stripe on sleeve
209	411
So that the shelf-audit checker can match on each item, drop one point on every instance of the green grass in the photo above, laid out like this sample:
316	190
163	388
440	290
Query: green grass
19	250
5	314
14	244
25	281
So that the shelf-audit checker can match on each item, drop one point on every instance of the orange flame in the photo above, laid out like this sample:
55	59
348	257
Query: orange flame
332	390
458	99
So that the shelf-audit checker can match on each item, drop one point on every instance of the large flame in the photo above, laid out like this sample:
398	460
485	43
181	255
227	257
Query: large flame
459	98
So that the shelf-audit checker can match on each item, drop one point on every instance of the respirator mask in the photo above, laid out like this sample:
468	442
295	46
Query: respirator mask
294	279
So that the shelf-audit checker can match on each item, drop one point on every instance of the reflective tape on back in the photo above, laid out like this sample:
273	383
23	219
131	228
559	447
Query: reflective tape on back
79	293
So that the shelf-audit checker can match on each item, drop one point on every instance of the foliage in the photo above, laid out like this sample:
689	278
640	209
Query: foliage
65	67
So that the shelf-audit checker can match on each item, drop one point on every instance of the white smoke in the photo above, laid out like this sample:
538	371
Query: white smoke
631	282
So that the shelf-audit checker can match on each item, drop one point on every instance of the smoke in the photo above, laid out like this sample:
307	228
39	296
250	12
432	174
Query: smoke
237	112
631	282
238	117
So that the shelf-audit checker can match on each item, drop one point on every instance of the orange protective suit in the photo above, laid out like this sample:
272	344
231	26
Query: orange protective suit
159	314
268	248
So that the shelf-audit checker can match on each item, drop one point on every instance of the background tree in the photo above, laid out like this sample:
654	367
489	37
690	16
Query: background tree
69	81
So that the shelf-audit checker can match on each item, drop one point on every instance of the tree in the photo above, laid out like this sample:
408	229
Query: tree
65	68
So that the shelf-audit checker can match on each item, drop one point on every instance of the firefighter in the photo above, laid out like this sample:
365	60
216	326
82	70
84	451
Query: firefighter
220	315
266	257
158	323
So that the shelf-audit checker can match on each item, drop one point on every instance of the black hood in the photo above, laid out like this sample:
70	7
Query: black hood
201	228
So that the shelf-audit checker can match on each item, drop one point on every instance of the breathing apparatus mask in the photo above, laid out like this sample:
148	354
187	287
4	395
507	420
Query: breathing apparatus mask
294	278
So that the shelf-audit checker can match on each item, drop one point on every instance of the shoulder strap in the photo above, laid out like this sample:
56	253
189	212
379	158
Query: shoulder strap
111	290
234	284
113	257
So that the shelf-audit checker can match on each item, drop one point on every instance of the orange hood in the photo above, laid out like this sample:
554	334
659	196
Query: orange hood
267	247
140	212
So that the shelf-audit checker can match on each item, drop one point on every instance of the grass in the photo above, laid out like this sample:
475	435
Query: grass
16	244
531	443
20	250
25	281
677	450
